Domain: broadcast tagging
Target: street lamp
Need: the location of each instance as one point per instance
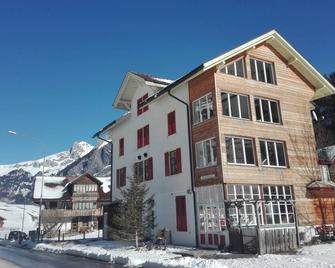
(11, 132)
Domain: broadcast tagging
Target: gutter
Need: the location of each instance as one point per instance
(191, 161)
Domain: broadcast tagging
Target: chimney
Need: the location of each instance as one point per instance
(324, 173)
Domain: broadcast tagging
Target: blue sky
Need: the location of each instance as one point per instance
(62, 62)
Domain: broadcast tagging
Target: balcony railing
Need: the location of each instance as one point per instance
(50, 215)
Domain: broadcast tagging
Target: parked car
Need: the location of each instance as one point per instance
(32, 235)
(16, 235)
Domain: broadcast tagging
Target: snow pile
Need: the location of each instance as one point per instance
(321, 256)
(13, 215)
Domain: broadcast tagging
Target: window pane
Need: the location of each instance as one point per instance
(238, 189)
(229, 149)
(231, 194)
(253, 69)
(258, 109)
(281, 154)
(244, 106)
(208, 158)
(234, 105)
(203, 107)
(225, 107)
(260, 71)
(249, 151)
(210, 105)
(239, 151)
(269, 73)
(274, 111)
(239, 68)
(263, 153)
(247, 192)
(266, 112)
(272, 154)
(196, 112)
(213, 144)
(230, 69)
(199, 155)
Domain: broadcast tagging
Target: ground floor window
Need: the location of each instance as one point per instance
(274, 204)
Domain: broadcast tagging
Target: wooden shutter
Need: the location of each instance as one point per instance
(121, 147)
(140, 138)
(149, 166)
(178, 156)
(118, 178)
(136, 170)
(171, 123)
(167, 163)
(181, 214)
(123, 177)
(146, 135)
(139, 111)
(145, 108)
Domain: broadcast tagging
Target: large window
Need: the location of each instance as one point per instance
(262, 71)
(172, 162)
(267, 110)
(202, 109)
(83, 188)
(278, 208)
(206, 153)
(273, 153)
(234, 105)
(235, 68)
(143, 170)
(240, 151)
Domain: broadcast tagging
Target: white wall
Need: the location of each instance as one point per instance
(164, 188)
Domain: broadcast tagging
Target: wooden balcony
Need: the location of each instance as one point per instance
(61, 215)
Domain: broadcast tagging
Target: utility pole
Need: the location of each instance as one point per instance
(24, 212)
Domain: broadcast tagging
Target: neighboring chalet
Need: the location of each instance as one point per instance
(72, 204)
(2, 220)
(223, 148)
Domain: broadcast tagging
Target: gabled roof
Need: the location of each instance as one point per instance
(130, 84)
(296, 60)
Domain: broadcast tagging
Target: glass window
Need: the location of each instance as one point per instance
(240, 150)
(262, 71)
(272, 153)
(234, 105)
(235, 68)
(206, 153)
(202, 109)
(267, 110)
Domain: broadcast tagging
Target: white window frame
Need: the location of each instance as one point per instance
(225, 68)
(276, 153)
(209, 106)
(244, 152)
(265, 75)
(238, 103)
(202, 143)
(270, 110)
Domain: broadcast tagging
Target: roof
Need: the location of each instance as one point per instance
(321, 185)
(55, 187)
(130, 84)
(327, 154)
(296, 60)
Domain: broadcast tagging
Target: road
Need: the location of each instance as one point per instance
(11, 257)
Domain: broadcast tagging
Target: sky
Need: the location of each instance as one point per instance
(62, 62)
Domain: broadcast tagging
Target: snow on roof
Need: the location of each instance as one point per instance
(53, 187)
(153, 79)
(327, 153)
(106, 182)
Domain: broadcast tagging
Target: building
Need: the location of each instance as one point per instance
(223, 148)
(2, 220)
(71, 204)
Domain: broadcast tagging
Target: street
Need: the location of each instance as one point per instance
(11, 257)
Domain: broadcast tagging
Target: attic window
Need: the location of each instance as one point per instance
(262, 71)
(142, 109)
(235, 68)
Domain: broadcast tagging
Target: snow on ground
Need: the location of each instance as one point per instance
(13, 214)
(90, 235)
(321, 256)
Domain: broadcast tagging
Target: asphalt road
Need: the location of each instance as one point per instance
(11, 257)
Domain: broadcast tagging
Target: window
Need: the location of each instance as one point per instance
(206, 153)
(143, 109)
(143, 136)
(240, 151)
(143, 170)
(267, 110)
(202, 109)
(121, 177)
(172, 162)
(171, 123)
(273, 153)
(181, 215)
(262, 71)
(235, 68)
(279, 206)
(234, 105)
(121, 147)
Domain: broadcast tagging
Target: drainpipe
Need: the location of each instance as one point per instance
(191, 163)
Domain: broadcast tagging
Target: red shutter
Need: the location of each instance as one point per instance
(150, 169)
(139, 111)
(171, 123)
(178, 155)
(145, 108)
(121, 147)
(118, 178)
(146, 135)
(123, 177)
(140, 138)
(167, 163)
(181, 214)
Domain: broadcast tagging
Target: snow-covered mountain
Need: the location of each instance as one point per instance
(16, 180)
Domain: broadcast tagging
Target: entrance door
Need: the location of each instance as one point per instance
(212, 225)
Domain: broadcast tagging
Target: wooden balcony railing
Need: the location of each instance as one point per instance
(50, 215)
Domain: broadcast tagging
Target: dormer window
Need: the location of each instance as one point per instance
(235, 68)
(262, 71)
